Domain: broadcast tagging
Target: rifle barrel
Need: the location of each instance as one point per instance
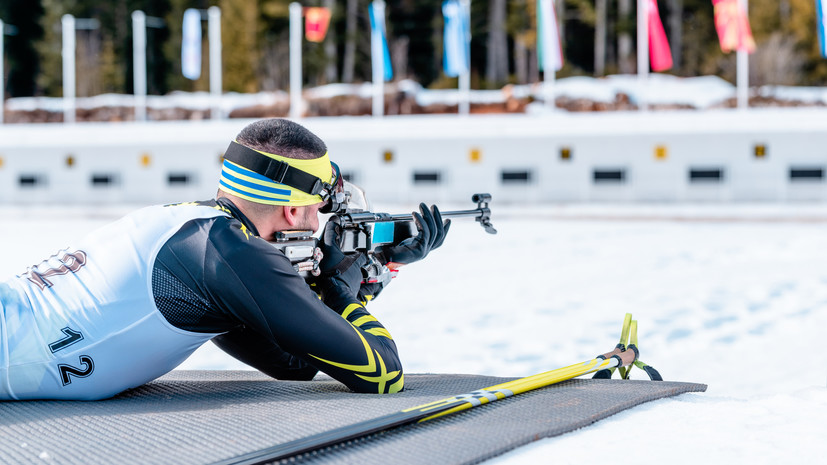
(369, 217)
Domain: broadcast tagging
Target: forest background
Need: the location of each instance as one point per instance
(598, 39)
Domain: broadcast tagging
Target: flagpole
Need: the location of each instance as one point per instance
(742, 68)
(549, 52)
(549, 80)
(549, 73)
(465, 77)
(139, 63)
(642, 54)
(214, 26)
(378, 59)
(295, 60)
(68, 24)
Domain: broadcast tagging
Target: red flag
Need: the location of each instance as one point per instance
(316, 20)
(660, 55)
(732, 24)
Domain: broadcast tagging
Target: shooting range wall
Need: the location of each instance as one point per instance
(719, 156)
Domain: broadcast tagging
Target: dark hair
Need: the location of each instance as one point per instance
(282, 137)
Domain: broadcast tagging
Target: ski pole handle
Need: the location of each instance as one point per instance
(624, 357)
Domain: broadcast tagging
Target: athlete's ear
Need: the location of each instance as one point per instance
(290, 214)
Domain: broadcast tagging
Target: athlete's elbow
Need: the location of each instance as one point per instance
(381, 383)
(398, 385)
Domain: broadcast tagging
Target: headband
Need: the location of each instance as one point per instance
(272, 179)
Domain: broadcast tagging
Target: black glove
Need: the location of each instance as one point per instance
(431, 234)
(369, 291)
(340, 271)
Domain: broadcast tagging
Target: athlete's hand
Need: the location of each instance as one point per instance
(369, 291)
(431, 232)
(332, 254)
(339, 269)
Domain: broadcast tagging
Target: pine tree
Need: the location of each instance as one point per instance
(239, 48)
(49, 80)
(23, 62)
(802, 26)
(496, 72)
(503, 45)
(157, 34)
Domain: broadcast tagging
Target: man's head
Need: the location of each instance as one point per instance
(274, 206)
(282, 137)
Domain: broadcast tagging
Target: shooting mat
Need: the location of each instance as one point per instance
(198, 417)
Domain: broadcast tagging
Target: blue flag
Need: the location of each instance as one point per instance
(821, 26)
(455, 55)
(377, 26)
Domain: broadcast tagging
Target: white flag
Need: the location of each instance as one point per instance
(191, 44)
(548, 37)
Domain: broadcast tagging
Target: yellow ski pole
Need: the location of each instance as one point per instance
(429, 411)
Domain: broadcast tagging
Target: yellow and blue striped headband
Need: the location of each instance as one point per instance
(271, 179)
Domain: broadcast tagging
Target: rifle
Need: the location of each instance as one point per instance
(363, 231)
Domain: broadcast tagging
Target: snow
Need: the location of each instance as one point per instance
(698, 92)
(732, 296)
(701, 92)
(803, 94)
(177, 99)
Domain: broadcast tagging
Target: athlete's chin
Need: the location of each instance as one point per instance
(307, 226)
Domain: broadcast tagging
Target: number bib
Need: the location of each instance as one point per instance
(83, 324)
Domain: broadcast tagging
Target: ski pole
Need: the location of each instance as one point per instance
(433, 410)
(650, 370)
(621, 346)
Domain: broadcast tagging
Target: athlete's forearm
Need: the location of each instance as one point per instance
(364, 357)
(251, 348)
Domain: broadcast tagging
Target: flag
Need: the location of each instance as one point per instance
(455, 58)
(316, 20)
(660, 55)
(732, 24)
(191, 44)
(821, 16)
(549, 49)
(377, 26)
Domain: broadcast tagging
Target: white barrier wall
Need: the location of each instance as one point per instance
(723, 156)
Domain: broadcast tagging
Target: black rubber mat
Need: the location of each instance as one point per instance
(199, 417)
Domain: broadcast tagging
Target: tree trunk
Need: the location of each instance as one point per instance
(625, 62)
(600, 38)
(239, 48)
(399, 56)
(520, 60)
(784, 11)
(349, 60)
(497, 66)
(676, 31)
(23, 59)
(330, 45)
(560, 13)
(87, 64)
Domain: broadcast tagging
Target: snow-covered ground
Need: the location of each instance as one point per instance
(700, 92)
(733, 296)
